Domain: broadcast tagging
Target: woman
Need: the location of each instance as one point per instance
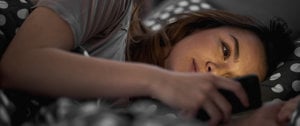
(220, 43)
(44, 42)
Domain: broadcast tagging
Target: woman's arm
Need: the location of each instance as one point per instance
(38, 60)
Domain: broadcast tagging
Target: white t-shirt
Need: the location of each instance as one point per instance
(99, 26)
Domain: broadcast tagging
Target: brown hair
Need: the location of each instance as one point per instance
(153, 47)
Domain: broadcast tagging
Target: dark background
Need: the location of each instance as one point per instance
(289, 10)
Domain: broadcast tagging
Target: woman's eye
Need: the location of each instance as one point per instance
(226, 50)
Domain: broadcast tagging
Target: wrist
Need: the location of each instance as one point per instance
(158, 82)
(154, 84)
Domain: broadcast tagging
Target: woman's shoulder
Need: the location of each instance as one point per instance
(88, 18)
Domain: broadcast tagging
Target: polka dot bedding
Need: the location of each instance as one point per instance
(12, 15)
(284, 82)
(167, 12)
(68, 112)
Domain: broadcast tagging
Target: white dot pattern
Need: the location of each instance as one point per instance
(1, 32)
(156, 27)
(152, 108)
(296, 85)
(297, 52)
(298, 122)
(89, 108)
(85, 53)
(293, 116)
(156, 15)
(183, 3)
(3, 5)
(164, 16)
(34, 102)
(23, 1)
(205, 6)
(2, 20)
(194, 8)
(168, 13)
(12, 14)
(285, 80)
(276, 100)
(178, 10)
(4, 99)
(295, 67)
(23, 13)
(280, 64)
(149, 22)
(275, 76)
(278, 88)
(17, 29)
(195, 1)
(170, 8)
(108, 120)
(172, 20)
(171, 115)
(3, 114)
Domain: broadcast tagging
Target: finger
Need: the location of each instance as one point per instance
(222, 103)
(283, 117)
(233, 86)
(193, 105)
(186, 114)
(274, 107)
(286, 111)
(213, 112)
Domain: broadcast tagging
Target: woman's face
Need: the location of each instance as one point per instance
(224, 51)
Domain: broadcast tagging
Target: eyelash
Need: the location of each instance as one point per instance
(226, 50)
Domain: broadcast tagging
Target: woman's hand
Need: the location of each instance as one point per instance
(191, 91)
(287, 110)
(264, 116)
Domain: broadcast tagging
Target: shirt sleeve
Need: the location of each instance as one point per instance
(88, 18)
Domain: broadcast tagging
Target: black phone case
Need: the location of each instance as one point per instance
(251, 86)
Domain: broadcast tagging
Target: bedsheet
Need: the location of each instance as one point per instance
(32, 111)
(69, 112)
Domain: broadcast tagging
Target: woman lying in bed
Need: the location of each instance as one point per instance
(197, 51)
(215, 42)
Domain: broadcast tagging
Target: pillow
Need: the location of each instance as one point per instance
(264, 10)
(166, 12)
(284, 82)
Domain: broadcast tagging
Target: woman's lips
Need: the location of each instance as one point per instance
(195, 67)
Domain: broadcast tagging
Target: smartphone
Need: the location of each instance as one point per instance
(251, 85)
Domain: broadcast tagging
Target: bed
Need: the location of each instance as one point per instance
(19, 108)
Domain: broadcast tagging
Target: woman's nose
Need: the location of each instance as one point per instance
(209, 67)
(214, 68)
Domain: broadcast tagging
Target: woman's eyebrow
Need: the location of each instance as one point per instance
(236, 47)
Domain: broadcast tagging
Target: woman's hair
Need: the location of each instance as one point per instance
(154, 47)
